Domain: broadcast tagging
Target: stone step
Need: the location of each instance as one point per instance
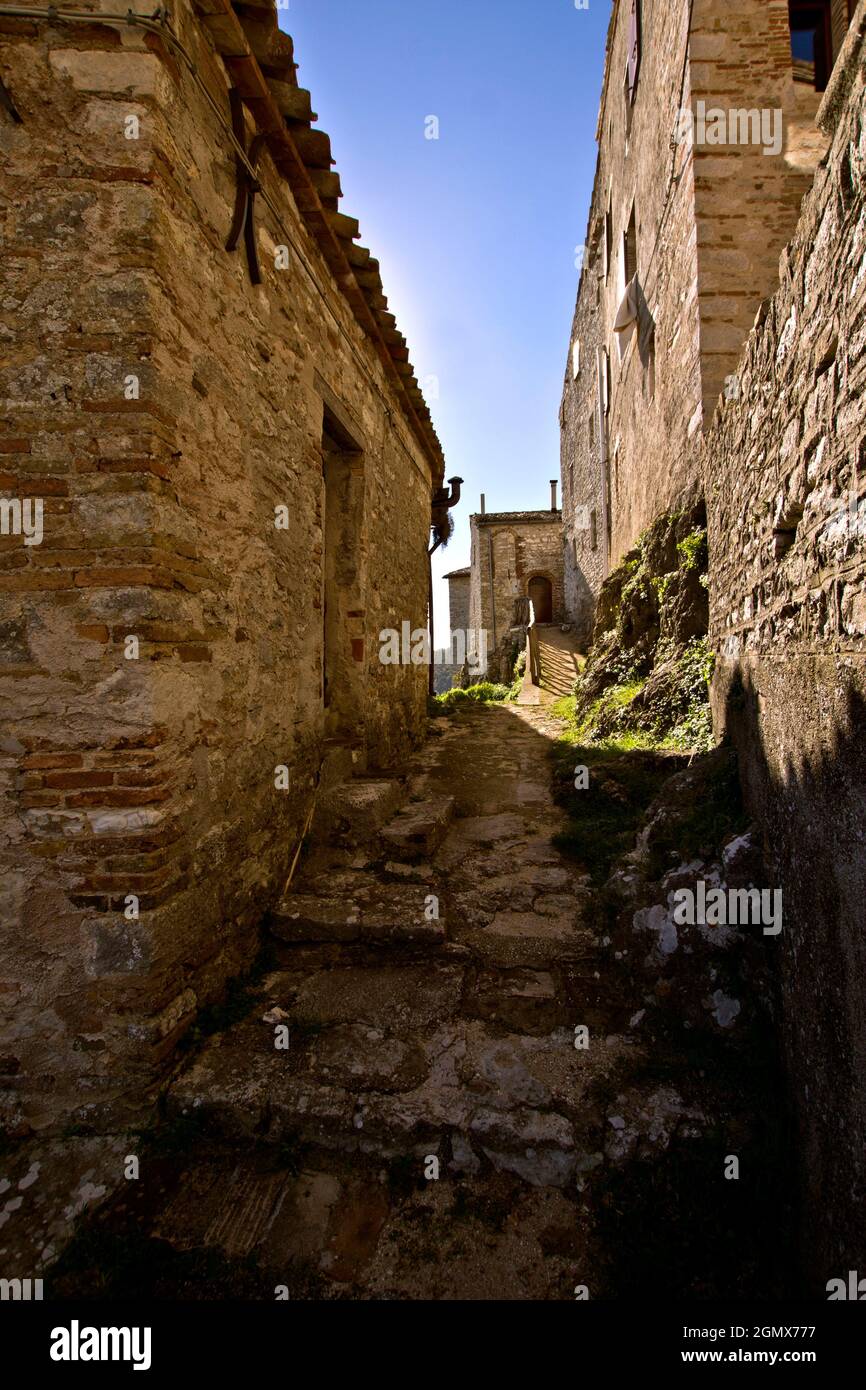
(525, 1001)
(354, 812)
(341, 761)
(383, 1061)
(372, 913)
(533, 939)
(418, 830)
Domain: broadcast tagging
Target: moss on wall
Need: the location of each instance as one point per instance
(647, 671)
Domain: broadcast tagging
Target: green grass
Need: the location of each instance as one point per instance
(565, 708)
(519, 673)
(631, 741)
(484, 693)
(607, 717)
(679, 720)
(694, 732)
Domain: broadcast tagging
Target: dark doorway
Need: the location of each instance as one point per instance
(343, 612)
(541, 595)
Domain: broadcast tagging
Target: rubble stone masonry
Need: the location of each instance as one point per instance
(165, 408)
(785, 469)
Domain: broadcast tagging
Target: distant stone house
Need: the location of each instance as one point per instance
(516, 560)
(448, 664)
(706, 145)
(217, 415)
(459, 583)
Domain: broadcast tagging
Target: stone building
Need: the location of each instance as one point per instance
(448, 664)
(785, 467)
(717, 353)
(210, 414)
(458, 598)
(516, 557)
(706, 145)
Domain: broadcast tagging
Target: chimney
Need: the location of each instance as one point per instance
(553, 486)
(483, 504)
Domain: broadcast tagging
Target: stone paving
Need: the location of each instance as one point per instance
(403, 1113)
(432, 1017)
(432, 968)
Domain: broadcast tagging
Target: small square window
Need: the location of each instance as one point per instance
(575, 359)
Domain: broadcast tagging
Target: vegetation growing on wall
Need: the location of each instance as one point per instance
(645, 682)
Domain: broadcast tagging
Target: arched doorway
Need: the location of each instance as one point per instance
(541, 595)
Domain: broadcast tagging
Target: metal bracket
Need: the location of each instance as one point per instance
(243, 218)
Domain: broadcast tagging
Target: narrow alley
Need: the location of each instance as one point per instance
(432, 772)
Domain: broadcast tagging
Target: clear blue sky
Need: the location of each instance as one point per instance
(476, 231)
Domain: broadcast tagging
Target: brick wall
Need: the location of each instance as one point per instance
(787, 516)
(155, 776)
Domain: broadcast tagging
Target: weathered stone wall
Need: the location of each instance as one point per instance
(458, 600)
(709, 221)
(786, 500)
(583, 497)
(152, 773)
(840, 11)
(508, 550)
(447, 670)
(747, 199)
(650, 430)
